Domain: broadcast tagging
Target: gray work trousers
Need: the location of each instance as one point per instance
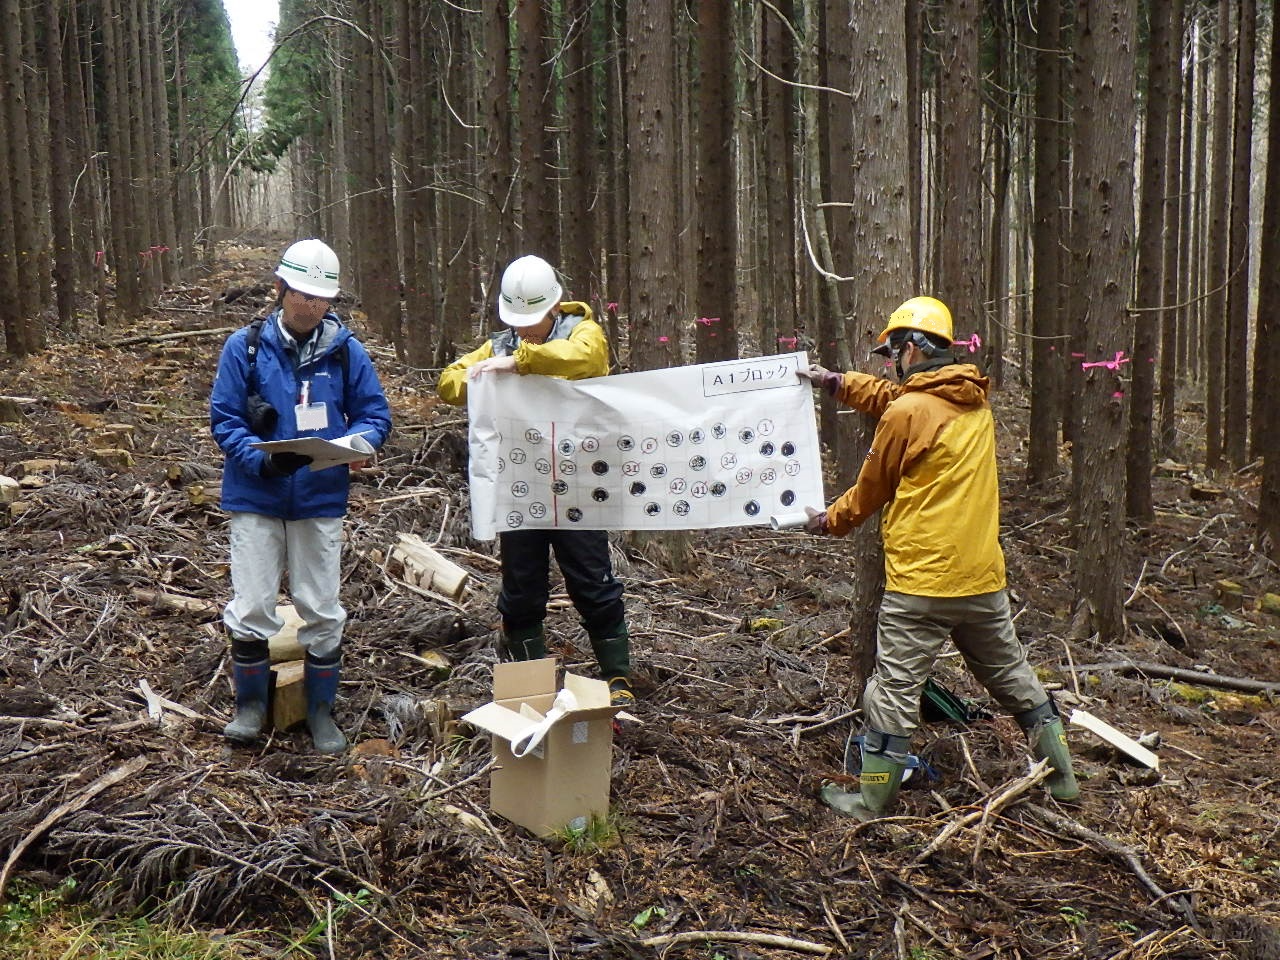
(261, 549)
(912, 630)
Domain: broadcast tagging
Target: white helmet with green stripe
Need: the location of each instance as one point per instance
(310, 266)
(529, 291)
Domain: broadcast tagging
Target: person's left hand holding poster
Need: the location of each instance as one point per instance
(685, 448)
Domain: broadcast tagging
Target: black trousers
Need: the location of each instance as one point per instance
(583, 557)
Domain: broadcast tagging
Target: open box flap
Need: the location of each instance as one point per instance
(524, 678)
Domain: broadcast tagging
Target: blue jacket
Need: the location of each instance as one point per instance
(356, 405)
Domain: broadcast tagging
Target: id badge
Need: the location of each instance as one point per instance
(311, 416)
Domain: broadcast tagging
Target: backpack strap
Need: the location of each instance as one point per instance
(254, 337)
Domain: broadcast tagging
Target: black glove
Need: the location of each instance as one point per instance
(283, 464)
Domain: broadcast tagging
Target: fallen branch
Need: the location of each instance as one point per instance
(736, 936)
(109, 779)
(1191, 676)
(1012, 791)
(160, 337)
(1117, 851)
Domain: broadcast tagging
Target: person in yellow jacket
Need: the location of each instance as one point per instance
(553, 338)
(932, 468)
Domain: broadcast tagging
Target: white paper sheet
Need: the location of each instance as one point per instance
(323, 453)
(686, 448)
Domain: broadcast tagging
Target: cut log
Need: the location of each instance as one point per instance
(284, 644)
(1245, 684)
(425, 568)
(114, 458)
(173, 601)
(288, 695)
(9, 489)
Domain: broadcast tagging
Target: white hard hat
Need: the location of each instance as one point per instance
(529, 290)
(310, 266)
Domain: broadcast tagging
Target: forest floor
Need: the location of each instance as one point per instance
(716, 846)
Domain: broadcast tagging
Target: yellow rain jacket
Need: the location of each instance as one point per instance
(575, 349)
(933, 462)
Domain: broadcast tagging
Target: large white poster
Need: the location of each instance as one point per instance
(686, 448)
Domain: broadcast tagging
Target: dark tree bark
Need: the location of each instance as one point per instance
(22, 334)
(1214, 326)
(1266, 395)
(1103, 267)
(1047, 232)
(1176, 187)
(1237, 333)
(959, 183)
(778, 121)
(538, 217)
(499, 159)
(1150, 258)
(716, 329)
(655, 305)
(882, 237)
(60, 176)
(579, 141)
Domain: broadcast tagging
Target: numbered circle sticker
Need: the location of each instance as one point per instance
(537, 510)
(518, 455)
(743, 476)
(631, 468)
(599, 468)
(637, 489)
(751, 508)
(590, 444)
(542, 465)
(699, 489)
(652, 509)
(768, 475)
(746, 434)
(764, 427)
(574, 514)
(698, 463)
(788, 497)
(719, 431)
(697, 435)
(729, 460)
(680, 508)
(568, 468)
(718, 489)
(792, 468)
(566, 448)
(626, 443)
(677, 486)
(515, 518)
(599, 494)
(675, 438)
(519, 489)
(766, 449)
(788, 449)
(658, 470)
(648, 444)
(559, 488)
(533, 435)
(502, 464)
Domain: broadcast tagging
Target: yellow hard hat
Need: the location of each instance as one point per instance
(920, 313)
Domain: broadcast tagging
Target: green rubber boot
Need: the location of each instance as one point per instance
(879, 779)
(1048, 740)
(613, 654)
(524, 643)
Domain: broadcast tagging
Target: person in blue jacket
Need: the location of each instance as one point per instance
(298, 373)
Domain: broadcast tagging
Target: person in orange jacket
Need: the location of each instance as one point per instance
(555, 338)
(932, 468)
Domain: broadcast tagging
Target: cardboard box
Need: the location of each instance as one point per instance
(564, 779)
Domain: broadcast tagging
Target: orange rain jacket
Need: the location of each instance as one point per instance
(933, 461)
(576, 349)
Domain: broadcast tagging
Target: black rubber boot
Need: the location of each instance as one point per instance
(251, 674)
(321, 680)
